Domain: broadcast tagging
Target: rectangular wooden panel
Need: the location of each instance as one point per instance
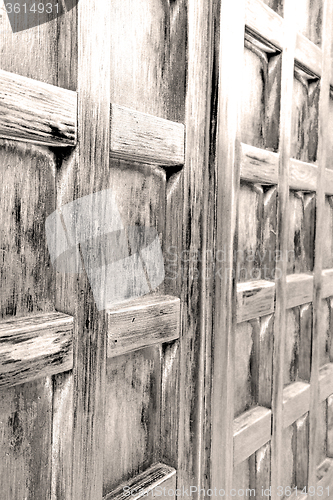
(26, 439)
(243, 396)
(329, 182)
(142, 322)
(258, 165)
(302, 175)
(252, 430)
(150, 483)
(327, 283)
(37, 112)
(325, 381)
(308, 54)
(142, 137)
(296, 401)
(35, 346)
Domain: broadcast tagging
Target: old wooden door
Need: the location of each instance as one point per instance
(96, 101)
(272, 373)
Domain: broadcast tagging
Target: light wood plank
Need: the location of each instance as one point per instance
(34, 347)
(142, 322)
(324, 475)
(299, 289)
(149, 483)
(329, 182)
(254, 299)
(258, 165)
(37, 112)
(308, 54)
(302, 176)
(280, 320)
(323, 159)
(227, 177)
(142, 137)
(327, 283)
(296, 401)
(264, 21)
(325, 381)
(252, 430)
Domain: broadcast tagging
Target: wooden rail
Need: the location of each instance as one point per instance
(35, 346)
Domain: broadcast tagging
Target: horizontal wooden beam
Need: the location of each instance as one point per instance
(327, 283)
(299, 289)
(149, 483)
(258, 165)
(35, 346)
(265, 22)
(296, 402)
(144, 138)
(252, 430)
(325, 381)
(142, 322)
(308, 55)
(302, 176)
(255, 299)
(33, 111)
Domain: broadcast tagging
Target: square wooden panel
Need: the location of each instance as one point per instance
(301, 232)
(257, 220)
(260, 111)
(254, 473)
(297, 353)
(304, 139)
(309, 20)
(253, 364)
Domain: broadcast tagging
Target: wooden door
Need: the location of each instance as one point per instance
(272, 368)
(97, 101)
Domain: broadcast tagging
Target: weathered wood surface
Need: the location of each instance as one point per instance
(243, 396)
(37, 112)
(142, 323)
(142, 137)
(251, 431)
(308, 54)
(299, 289)
(34, 347)
(132, 415)
(264, 21)
(296, 401)
(231, 20)
(26, 438)
(254, 299)
(150, 483)
(301, 451)
(325, 381)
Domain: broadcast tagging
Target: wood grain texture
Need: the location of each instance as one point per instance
(308, 54)
(252, 430)
(302, 451)
(141, 323)
(309, 19)
(263, 377)
(170, 396)
(288, 464)
(260, 471)
(304, 357)
(324, 334)
(34, 347)
(302, 176)
(26, 436)
(62, 436)
(327, 243)
(301, 232)
(231, 24)
(150, 483)
(258, 165)
(329, 437)
(142, 137)
(28, 196)
(264, 21)
(323, 159)
(327, 283)
(305, 117)
(132, 415)
(37, 112)
(296, 401)
(328, 182)
(254, 299)
(291, 346)
(299, 289)
(320, 451)
(325, 381)
(243, 397)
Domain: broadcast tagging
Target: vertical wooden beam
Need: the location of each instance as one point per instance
(194, 336)
(227, 165)
(323, 163)
(91, 167)
(280, 323)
